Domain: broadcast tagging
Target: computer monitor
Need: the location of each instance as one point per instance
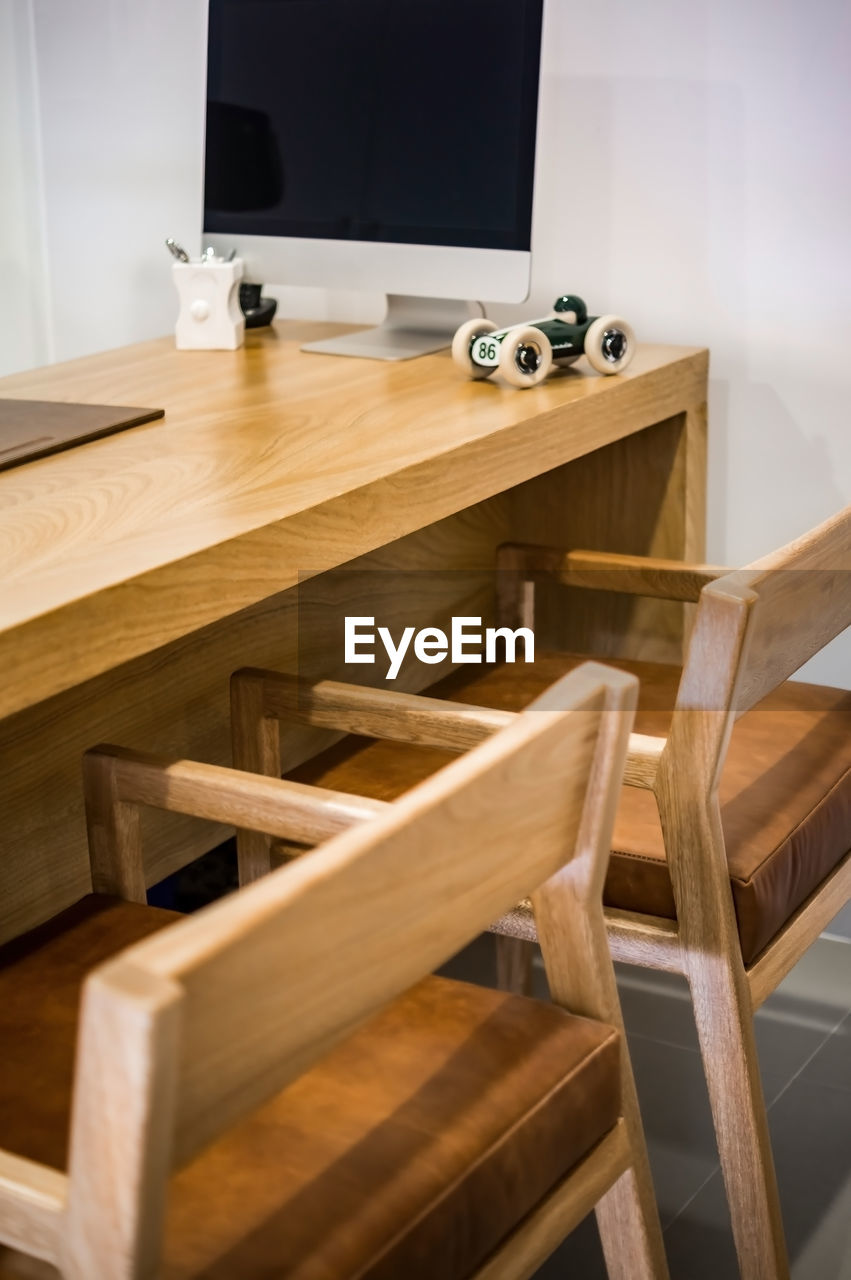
(376, 145)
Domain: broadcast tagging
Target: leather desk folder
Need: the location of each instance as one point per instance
(32, 429)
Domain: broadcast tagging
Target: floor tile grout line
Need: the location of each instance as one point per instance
(668, 1044)
(816, 1084)
(715, 1169)
(805, 1064)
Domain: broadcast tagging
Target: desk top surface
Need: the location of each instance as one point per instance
(269, 463)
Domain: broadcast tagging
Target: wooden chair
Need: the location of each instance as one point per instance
(731, 850)
(318, 1114)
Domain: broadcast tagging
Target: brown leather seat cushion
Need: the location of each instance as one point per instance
(785, 790)
(41, 974)
(411, 1150)
(20, 1266)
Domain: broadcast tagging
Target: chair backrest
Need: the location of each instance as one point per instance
(803, 601)
(756, 626)
(187, 1031)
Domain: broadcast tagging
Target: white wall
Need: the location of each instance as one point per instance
(693, 175)
(24, 327)
(705, 193)
(122, 113)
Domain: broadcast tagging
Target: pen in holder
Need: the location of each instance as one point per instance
(210, 317)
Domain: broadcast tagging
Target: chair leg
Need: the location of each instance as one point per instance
(514, 964)
(628, 1222)
(627, 1215)
(725, 1029)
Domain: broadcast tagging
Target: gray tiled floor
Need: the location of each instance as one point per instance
(804, 1037)
(841, 926)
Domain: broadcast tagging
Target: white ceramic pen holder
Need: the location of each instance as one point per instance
(210, 317)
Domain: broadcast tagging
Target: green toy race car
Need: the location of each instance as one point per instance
(525, 353)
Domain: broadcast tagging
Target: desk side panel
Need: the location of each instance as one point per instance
(175, 702)
(642, 494)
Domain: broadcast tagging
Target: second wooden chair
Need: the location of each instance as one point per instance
(732, 843)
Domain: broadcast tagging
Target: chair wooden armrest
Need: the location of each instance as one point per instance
(117, 780)
(610, 571)
(32, 1204)
(375, 713)
(642, 760)
(642, 765)
(263, 696)
(396, 717)
(260, 696)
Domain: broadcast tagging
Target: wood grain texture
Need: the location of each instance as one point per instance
(237, 1050)
(270, 464)
(648, 941)
(637, 575)
(568, 911)
(568, 907)
(32, 1204)
(262, 702)
(640, 496)
(125, 779)
(687, 794)
(119, 553)
(691, 478)
(642, 760)
(114, 832)
(804, 594)
(243, 1033)
(378, 713)
(751, 629)
(260, 698)
(175, 702)
(182, 1034)
(256, 747)
(121, 1126)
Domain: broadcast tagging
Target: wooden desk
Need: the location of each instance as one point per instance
(138, 571)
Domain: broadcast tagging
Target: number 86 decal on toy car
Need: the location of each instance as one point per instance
(525, 353)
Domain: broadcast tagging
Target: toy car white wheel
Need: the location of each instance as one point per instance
(609, 344)
(526, 356)
(462, 342)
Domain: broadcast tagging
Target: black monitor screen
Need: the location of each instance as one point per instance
(410, 121)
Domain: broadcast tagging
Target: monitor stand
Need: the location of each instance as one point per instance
(412, 327)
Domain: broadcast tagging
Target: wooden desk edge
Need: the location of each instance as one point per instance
(93, 633)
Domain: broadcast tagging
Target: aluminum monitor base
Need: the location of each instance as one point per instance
(412, 327)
